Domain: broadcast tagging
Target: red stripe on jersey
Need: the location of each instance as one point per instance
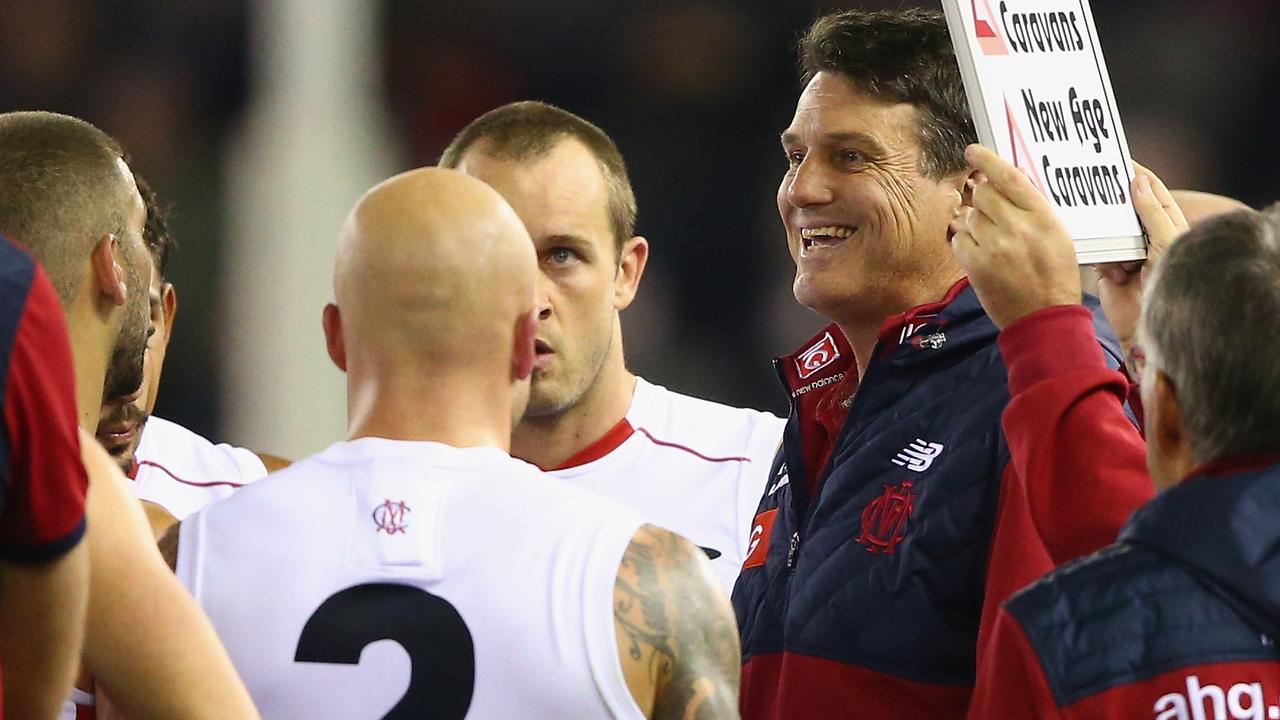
(1209, 690)
(171, 474)
(691, 451)
(86, 712)
(609, 442)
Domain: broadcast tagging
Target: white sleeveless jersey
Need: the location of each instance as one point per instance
(395, 579)
(182, 472)
(692, 466)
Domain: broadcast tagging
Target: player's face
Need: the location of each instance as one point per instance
(124, 374)
(864, 225)
(562, 198)
(122, 419)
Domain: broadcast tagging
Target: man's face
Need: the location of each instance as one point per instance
(562, 198)
(865, 227)
(125, 371)
(1160, 418)
(122, 419)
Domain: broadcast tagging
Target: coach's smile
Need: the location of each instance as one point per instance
(816, 239)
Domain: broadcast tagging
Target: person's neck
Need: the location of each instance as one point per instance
(90, 358)
(862, 330)
(862, 336)
(550, 440)
(458, 410)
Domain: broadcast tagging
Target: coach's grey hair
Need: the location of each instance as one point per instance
(1211, 323)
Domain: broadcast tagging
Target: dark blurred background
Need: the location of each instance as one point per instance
(694, 92)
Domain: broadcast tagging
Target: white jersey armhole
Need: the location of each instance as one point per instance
(603, 654)
(247, 461)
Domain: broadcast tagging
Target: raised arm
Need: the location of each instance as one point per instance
(44, 565)
(677, 638)
(148, 644)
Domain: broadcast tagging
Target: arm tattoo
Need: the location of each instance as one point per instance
(678, 627)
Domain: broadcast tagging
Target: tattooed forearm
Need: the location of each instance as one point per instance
(673, 623)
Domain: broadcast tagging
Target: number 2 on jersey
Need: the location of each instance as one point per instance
(441, 652)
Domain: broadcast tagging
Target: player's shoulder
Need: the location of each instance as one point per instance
(1122, 614)
(25, 290)
(706, 426)
(18, 271)
(180, 451)
(478, 482)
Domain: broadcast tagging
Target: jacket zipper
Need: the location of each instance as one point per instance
(797, 537)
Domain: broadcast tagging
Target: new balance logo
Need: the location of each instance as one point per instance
(918, 456)
(1212, 702)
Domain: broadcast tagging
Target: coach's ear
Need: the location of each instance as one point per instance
(333, 336)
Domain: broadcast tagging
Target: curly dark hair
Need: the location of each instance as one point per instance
(156, 232)
(899, 56)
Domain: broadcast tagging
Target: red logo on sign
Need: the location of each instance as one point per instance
(884, 521)
(817, 357)
(1022, 156)
(389, 517)
(984, 26)
(761, 531)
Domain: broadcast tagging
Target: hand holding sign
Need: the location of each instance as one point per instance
(1017, 252)
(1120, 285)
(1040, 96)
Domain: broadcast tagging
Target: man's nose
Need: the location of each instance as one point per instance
(544, 298)
(809, 185)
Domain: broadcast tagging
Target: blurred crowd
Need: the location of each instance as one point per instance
(695, 93)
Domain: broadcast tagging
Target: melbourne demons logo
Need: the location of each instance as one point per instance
(884, 521)
(389, 517)
(817, 357)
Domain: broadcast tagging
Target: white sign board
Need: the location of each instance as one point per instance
(1041, 97)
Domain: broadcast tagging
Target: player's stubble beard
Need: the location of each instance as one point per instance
(579, 378)
(122, 415)
(125, 371)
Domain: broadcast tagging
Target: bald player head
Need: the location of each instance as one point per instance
(1197, 206)
(434, 317)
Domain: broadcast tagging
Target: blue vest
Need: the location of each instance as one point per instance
(1194, 580)
(884, 567)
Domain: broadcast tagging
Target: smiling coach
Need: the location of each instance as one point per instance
(896, 522)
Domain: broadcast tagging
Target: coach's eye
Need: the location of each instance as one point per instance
(795, 157)
(851, 157)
